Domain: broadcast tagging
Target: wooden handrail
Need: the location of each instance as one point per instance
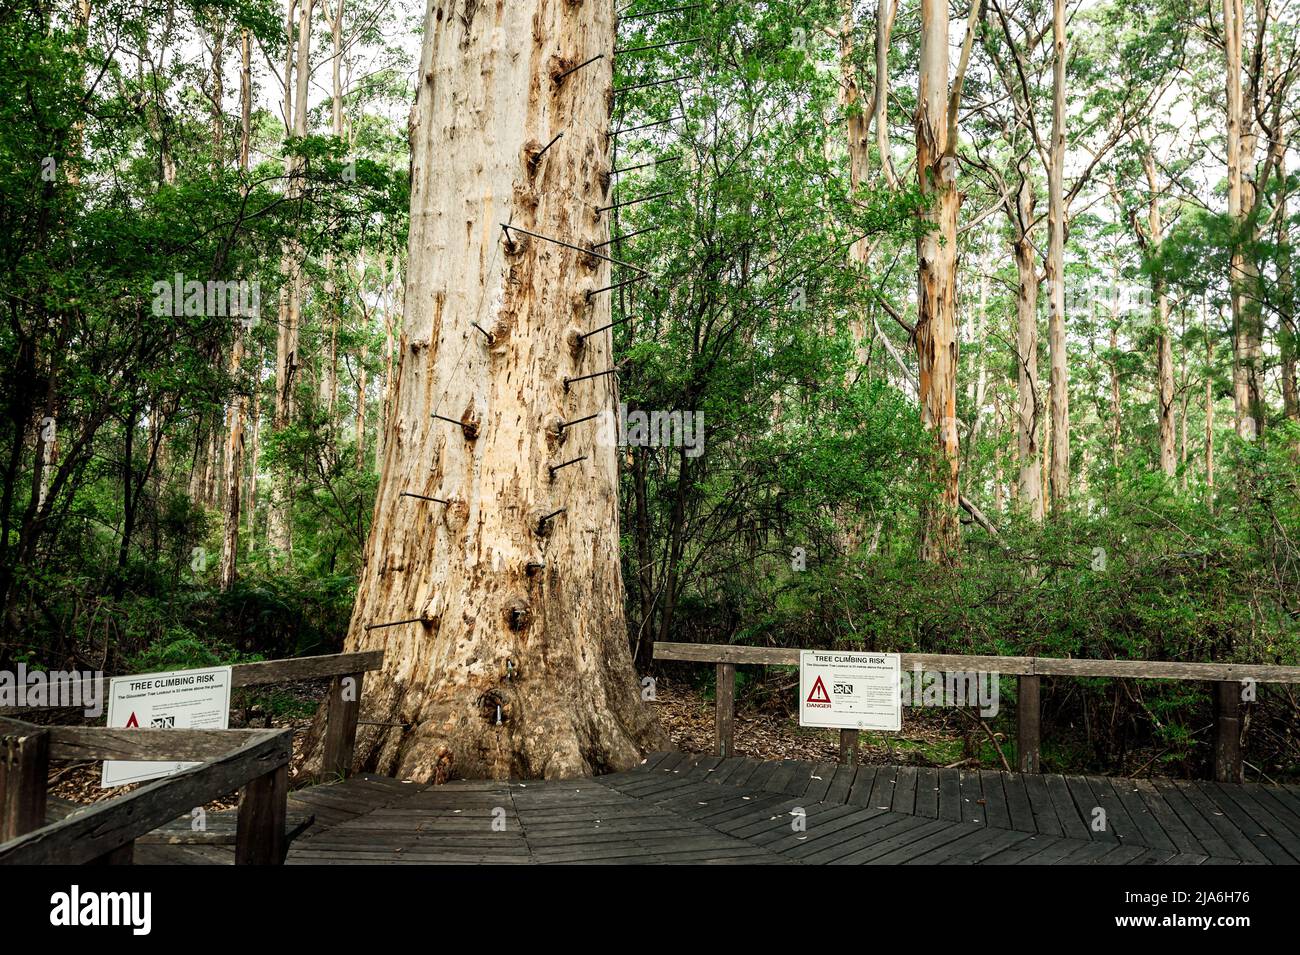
(261, 763)
(1012, 666)
(266, 672)
(255, 762)
(1227, 678)
(145, 745)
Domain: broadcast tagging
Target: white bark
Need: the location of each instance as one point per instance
(519, 664)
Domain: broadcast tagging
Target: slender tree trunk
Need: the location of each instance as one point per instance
(519, 663)
(980, 389)
(1164, 346)
(1059, 471)
(361, 407)
(998, 498)
(1209, 397)
(234, 473)
(1286, 312)
(880, 105)
(1029, 484)
(1247, 349)
(391, 321)
(1116, 410)
(297, 63)
(936, 318)
(255, 425)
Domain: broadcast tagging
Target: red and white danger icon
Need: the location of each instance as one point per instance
(819, 694)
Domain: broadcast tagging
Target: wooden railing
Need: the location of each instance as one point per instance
(254, 762)
(1226, 677)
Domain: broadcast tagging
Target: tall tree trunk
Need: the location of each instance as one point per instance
(234, 474)
(880, 105)
(1059, 470)
(1286, 311)
(1209, 396)
(519, 663)
(1029, 490)
(297, 64)
(936, 314)
(1164, 346)
(1246, 337)
(392, 320)
(360, 458)
(979, 387)
(1116, 410)
(329, 362)
(255, 426)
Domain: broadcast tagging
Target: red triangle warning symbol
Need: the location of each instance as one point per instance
(136, 723)
(818, 694)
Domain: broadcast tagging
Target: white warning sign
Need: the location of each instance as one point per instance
(181, 699)
(843, 690)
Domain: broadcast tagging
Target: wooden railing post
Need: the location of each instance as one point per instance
(24, 768)
(263, 808)
(341, 726)
(726, 713)
(1227, 732)
(1028, 730)
(849, 746)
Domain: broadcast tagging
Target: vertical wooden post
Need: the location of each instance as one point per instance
(24, 768)
(1028, 730)
(726, 714)
(1227, 732)
(849, 746)
(341, 726)
(263, 806)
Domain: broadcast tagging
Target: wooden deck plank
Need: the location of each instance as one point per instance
(1040, 803)
(1018, 806)
(901, 839)
(950, 805)
(1239, 846)
(882, 790)
(905, 790)
(1170, 822)
(1072, 823)
(1151, 832)
(841, 784)
(927, 792)
(724, 771)
(1022, 852)
(819, 781)
(1251, 824)
(860, 793)
(997, 812)
(1118, 820)
(1087, 804)
(1207, 835)
(972, 797)
(915, 843)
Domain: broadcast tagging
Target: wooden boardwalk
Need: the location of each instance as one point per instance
(688, 808)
